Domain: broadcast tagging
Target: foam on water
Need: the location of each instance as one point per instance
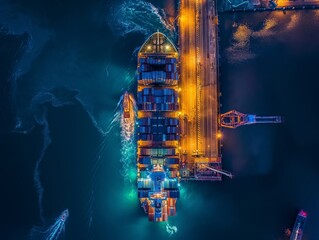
(54, 231)
(128, 144)
(56, 98)
(139, 17)
(170, 229)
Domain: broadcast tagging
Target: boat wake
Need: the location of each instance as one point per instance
(54, 231)
(128, 160)
(139, 17)
(170, 229)
(127, 113)
(55, 97)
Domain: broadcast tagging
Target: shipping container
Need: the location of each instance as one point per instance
(143, 60)
(144, 160)
(144, 129)
(142, 194)
(173, 193)
(171, 184)
(144, 121)
(172, 160)
(144, 183)
(157, 151)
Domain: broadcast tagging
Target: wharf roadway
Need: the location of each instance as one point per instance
(199, 116)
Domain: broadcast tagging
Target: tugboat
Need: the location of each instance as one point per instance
(299, 226)
(128, 116)
(64, 215)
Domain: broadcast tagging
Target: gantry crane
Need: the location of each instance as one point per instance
(234, 119)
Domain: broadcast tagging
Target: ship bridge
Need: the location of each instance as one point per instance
(158, 44)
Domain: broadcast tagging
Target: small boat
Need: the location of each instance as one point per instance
(299, 226)
(128, 116)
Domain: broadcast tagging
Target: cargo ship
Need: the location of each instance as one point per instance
(158, 127)
(299, 226)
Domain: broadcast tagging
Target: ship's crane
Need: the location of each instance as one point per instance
(234, 119)
(221, 171)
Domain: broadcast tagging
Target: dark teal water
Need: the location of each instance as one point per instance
(64, 68)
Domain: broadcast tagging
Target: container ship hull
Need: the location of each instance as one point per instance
(158, 127)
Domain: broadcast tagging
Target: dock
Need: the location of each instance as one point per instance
(200, 145)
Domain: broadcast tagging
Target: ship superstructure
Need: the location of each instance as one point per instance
(158, 127)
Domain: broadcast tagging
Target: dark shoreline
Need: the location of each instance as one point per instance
(292, 8)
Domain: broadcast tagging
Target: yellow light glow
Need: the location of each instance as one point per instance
(187, 17)
(219, 135)
(149, 47)
(167, 47)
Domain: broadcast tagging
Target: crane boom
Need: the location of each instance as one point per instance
(223, 172)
